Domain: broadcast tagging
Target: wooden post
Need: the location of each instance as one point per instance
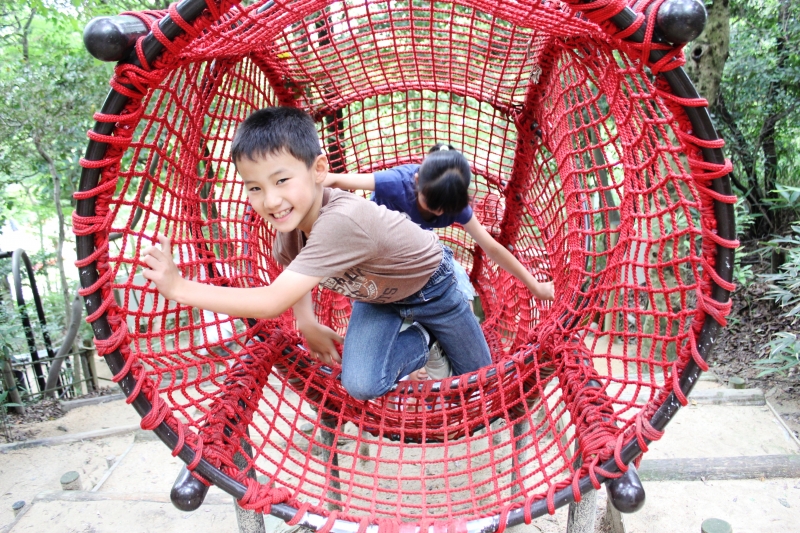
(715, 525)
(582, 515)
(327, 439)
(90, 370)
(77, 372)
(248, 521)
(71, 481)
(519, 430)
(10, 384)
(613, 519)
(17, 507)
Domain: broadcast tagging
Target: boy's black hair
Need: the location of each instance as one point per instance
(272, 130)
(444, 178)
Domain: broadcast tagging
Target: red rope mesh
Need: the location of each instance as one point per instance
(585, 169)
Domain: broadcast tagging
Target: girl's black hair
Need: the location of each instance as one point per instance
(272, 130)
(444, 178)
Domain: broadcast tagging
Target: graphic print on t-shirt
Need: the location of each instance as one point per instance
(353, 283)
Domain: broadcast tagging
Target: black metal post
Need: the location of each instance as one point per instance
(19, 258)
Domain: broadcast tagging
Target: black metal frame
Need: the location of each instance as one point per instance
(703, 129)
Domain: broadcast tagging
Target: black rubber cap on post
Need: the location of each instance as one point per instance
(626, 493)
(187, 492)
(111, 38)
(681, 21)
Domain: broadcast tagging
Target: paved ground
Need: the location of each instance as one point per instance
(134, 497)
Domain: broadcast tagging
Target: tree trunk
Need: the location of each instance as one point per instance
(24, 31)
(61, 236)
(767, 134)
(750, 187)
(43, 249)
(40, 224)
(706, 56)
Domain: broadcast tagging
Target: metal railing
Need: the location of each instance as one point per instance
(77, 375)
(43, 371)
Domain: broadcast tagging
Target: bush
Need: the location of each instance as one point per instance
(784, 289)
(742, 274)
(784, 286)
(784, 354)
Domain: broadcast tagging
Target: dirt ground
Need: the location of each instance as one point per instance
(751, 325)
(41, 419)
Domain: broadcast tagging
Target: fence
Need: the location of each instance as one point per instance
(28, 377)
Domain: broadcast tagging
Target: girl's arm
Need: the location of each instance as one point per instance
(507, 261)
(352, 182)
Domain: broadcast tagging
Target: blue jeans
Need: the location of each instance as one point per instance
(376, 354)
(462, 279)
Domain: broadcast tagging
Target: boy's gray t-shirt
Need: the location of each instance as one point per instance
(362, 250)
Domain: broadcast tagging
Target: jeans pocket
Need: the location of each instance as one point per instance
(437, 290)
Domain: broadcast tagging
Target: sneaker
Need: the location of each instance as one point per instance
(438, 365)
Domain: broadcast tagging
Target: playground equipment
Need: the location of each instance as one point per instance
(596, 165)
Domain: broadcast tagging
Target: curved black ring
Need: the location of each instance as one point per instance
(703, 129)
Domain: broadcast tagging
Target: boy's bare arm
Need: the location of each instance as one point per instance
(351, 182)
(320, 338)
(507, 261)
(257, 302)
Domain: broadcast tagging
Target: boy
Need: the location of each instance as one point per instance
(391, 268)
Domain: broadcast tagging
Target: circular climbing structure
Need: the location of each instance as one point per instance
(595, 163)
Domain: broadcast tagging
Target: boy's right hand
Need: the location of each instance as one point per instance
(321, 341)
(161, 269)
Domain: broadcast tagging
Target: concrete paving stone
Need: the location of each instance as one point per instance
(750, 506)
(83, 402)
(720, 468)
(720, 396)
(115, 516)
(69, 438)
(722, 431)
(27, 472)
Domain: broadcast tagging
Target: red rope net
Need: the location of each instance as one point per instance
(586, 169)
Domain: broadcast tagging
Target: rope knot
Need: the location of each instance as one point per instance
(261, 497)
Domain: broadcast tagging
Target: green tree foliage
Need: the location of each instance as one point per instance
(759, 106)
(49, 87)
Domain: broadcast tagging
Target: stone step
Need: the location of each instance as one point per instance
(706, 396)
(721, 468)
(82, 402)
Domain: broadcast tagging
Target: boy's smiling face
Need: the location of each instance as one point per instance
(283, 190)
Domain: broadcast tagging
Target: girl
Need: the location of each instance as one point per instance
(435, 194)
